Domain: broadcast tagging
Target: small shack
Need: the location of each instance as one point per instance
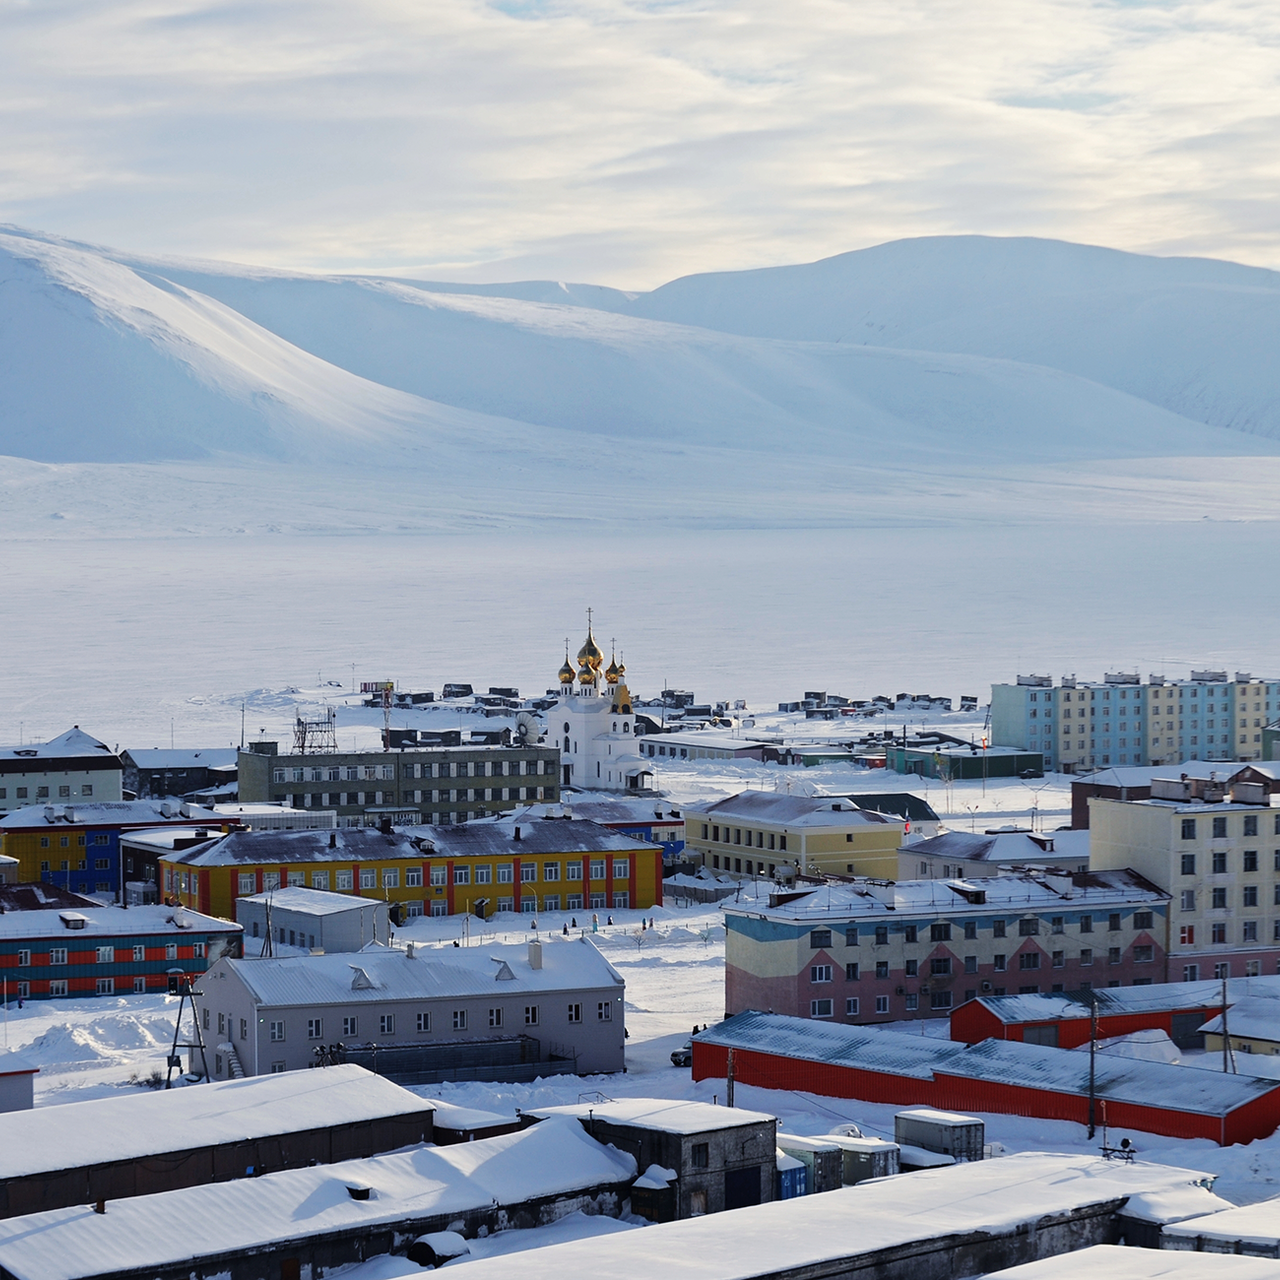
(17, 1082)
(821, 1157)
(312, 919)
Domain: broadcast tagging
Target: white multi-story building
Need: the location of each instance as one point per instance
(1213, 847)
(70, 767)
(594, 727)
(1120, 721)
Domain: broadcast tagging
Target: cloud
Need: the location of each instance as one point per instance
(626, 142)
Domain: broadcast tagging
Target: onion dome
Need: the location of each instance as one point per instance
(566, 672)
(590, 653)
(586, 675)
(612, 672)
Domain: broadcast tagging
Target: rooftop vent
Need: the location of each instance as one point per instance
(360, 981)
(73, 919)
(358, 1191)
(504, 973)
(535, 954)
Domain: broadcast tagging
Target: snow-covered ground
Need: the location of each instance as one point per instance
(675, 979)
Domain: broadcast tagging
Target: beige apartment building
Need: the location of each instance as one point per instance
(1216, 849)
(767, 833)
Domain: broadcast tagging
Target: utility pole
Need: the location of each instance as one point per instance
(1093, 1056)
(728, 1092)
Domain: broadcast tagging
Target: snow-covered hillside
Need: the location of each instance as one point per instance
(107, 360)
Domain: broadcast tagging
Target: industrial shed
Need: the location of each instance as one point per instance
(111, 1148)
(308, 1221)
(776, 1052)
(1252, 1229)
(1179, 1009)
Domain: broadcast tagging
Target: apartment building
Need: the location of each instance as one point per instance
(877, 952)
(409, 786)
(528, 867)
(71, 767)
(1079, 725)
(772, 834)
(1215, 847)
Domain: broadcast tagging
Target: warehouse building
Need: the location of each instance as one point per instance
(313, 919)
(1007, 1078)
(143, 1143)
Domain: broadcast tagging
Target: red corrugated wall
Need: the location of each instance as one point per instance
(973, 1023)
(1257, 1119)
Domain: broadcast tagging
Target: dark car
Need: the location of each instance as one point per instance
(683, 1056)
(1031, 773)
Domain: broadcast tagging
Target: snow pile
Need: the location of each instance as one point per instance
(656, 1178)
(110, 1038)
(1150, 1045)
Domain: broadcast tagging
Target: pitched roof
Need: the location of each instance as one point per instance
(75, 742)
(109, 813)
(793, 811)
(430, 973)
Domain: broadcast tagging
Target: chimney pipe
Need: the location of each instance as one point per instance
(516, 836)
(333, 839)
(535, 955)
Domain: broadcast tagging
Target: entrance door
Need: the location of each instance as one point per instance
(1186, 1030)
(741, 1187)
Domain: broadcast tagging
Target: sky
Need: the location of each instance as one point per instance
(626, 142)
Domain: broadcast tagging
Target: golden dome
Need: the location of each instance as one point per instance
(586, 675)
(612, 673)
(566, 672)
(590, 653)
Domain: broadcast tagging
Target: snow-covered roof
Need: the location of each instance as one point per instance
(313, 902)
(608, 812)
(164, 758)
(1120, 1262)
(72, 744)
(431, 972)
(1174, 1204)
(711, 739)
(1256, 1017)
(449, 1115)
(109, 813)
(139, 1234)
(662, 1114)
(146, 1123)
(814, 1231)
(1025, 894)
(1005, 847)
(781, 809)
(13, 1063)
(109, 922)
(497, 840)
(1010, 1062)
(1159, 997)
(1257, 1224)
(929, 1115)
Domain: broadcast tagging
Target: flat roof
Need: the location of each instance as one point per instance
(108, 813)
(792, 811)
(1121, 1262)
(1160, 997)
(313, 902)
(147, 1123)
(145, 1233)
(567, 965)
(815, 1231)
(1253, 1223)
(661, 1114)
(109, 922)
(1256, 1017)
(167, 758)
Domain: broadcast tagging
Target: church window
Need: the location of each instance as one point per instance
(615, 726)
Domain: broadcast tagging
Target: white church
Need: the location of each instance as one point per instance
(593, 725)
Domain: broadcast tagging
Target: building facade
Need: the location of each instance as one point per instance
(409, 786)
(271, 1015)
(1120, 721)
(71, 767)
(772, 834)
(108, 951)
(159, 772)
(1219, 858)
(874, 952)
(312, 919)
(481, 868)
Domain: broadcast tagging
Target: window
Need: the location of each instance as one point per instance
(106, 955)
(939, 932)
(597, 870)
(970, 930)
(575, 1013)
(342, 880)
(1029, 960)
(820, 1008)
(882, 969)
(1251, 824)
(1188, 833)
(940, 966)
(882, 1004)
(24, 958)
(1251, 895)
(621, 869)
(573, 870)
(171, 951)
(275, 1032)
(1219, 899)
(604, 1011)
(413, 877)
(851, 972)
(1028, 928)
(105, 987)
(1220, 828)
(1142, 919)
(277, 1068)
(910, 933)
(882, 935)
(1113, 955)
(820, 973)
(1144, 953)
(997, 928)
(1249, 931)
(390, 877)
(368, 878)
(529, 873)
(912, 1001)
(58, 987)
(851, 1007)
(1219, 862)
(851, 933)
(387, 1024)
(57, 955)
(462, 875)
(1250, 859)
(699, 1155)
(531, 1015)
(1187, 935)
(912, 968)
(315, 1028)
(495, 1017)
(350, 1027)
(998, 963)
(819, 938)
(506, 873)
(940, 1000)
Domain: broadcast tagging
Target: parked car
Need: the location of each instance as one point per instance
(683, 1056)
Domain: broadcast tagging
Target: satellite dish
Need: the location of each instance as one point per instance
(528, 730)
